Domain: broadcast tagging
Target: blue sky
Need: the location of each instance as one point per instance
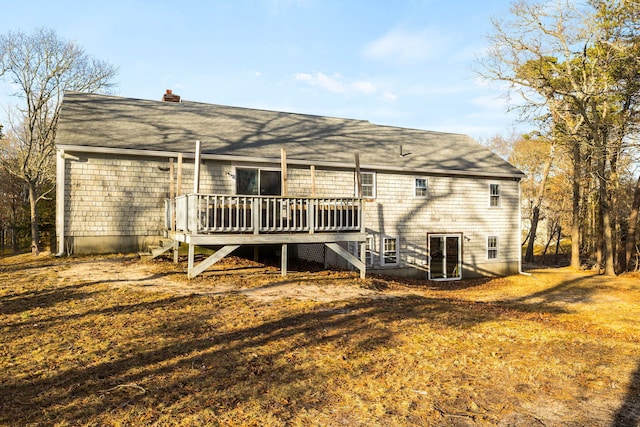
(395, 62)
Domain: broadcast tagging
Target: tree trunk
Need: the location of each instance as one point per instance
(14, 238)
(35, 229)
(575, 209)
(607, 230)
(528, 257)
(632, 237)
(526, 239)
(558, 244)
(598, 244)
(546, 248)
(536, 208)
(605, 214)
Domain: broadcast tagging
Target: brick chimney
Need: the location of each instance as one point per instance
(170, 97)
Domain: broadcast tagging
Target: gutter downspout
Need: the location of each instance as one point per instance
(60, 213)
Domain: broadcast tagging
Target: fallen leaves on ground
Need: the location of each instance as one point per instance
(113, 341)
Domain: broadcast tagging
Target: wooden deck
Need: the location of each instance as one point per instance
(231, 221)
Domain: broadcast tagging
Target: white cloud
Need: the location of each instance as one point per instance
(336, 83)
(321, 80)
(389, 97)
(363, 87)
(402, 46)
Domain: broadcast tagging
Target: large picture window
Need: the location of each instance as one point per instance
(258, 182)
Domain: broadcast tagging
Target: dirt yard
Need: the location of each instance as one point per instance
(115, 341)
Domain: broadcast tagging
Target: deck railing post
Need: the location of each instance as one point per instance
(174, 213)
(361, 215)
(192, 213)
(256, 214)
(311, 215)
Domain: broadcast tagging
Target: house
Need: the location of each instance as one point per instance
(384, 199)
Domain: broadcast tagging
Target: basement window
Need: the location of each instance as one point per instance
(354, 249)
(389, 255)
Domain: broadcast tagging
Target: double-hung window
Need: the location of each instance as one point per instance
(494, 195)
(368, 184)
(389, 253)
(354, 249)
(368, 255)
(421, 189)
(492, 247)
(258, 182)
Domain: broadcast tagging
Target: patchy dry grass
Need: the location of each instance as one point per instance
(111, 341)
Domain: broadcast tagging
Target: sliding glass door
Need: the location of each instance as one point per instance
(445, 256)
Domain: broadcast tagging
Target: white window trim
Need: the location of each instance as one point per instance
(460, 262)
(415, 187)
(371, 249)
(382, 252)
(497, 247)
(354, 249)
(374, 187)
(499, 195)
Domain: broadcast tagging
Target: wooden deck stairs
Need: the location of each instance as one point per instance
(155, 251)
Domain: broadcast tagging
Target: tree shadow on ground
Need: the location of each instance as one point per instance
(238, 365)
(12, 303)
(575, 290)
(189, 355)
(628, 415)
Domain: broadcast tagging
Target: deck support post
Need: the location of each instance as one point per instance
(360, 265)
(283, 171)
(196, 169)
(176, 251)
(358, 176)
(363, 257)
(190, 260)
(179, 176)
(283, 260)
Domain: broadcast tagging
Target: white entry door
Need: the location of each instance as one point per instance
(445, 256)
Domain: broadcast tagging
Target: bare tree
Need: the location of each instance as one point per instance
(566, 64)
(41, 67)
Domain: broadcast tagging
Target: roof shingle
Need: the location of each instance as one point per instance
(127, 123)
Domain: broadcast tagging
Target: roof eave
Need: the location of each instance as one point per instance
(248, 159)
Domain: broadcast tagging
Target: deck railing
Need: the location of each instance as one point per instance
(213, 213)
